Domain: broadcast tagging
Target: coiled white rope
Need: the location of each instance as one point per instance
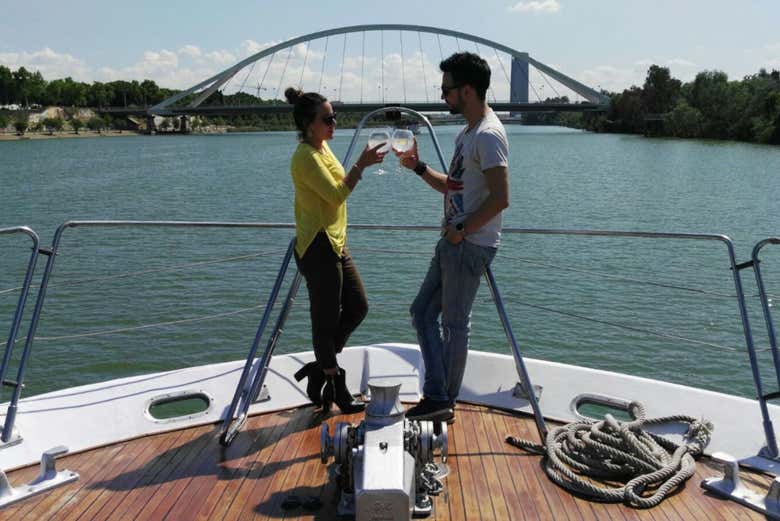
(582, 456)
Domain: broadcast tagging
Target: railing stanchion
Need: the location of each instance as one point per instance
(522, 372)
(232, 425)
(8, 425)
(771, 448)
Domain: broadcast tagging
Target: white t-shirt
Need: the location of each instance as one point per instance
(484, 146)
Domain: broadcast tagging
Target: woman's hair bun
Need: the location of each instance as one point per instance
(293, 95)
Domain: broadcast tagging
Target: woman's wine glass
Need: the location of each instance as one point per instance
(378, 137)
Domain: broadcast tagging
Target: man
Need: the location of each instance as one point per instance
(476, 191)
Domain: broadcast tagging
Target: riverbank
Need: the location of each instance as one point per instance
(10, 136)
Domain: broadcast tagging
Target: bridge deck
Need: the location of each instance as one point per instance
(187, 475)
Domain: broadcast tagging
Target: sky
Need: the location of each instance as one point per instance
(606, 44)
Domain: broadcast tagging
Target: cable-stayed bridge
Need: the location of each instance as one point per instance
(360, 68)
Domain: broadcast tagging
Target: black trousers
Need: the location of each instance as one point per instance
(337, 299)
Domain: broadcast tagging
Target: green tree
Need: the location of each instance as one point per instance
(96, 124)
(4, 120)
(21, 125)
(625, 112)
(684, 121)
(52, 124)
(660, 91)
(76, 124)
(711, 94)
(6, 86)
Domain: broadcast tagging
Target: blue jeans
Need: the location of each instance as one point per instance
(449, 289)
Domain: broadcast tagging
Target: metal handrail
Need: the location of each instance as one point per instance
(756, 264)
(248, 389)
(52, 255)
(384, 110)
(5, 437)
(244, 392)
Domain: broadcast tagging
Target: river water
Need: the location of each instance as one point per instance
(128, 300)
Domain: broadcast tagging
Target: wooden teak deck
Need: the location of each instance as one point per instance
(187, 475)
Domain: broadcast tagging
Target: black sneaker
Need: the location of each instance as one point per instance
(432, 410)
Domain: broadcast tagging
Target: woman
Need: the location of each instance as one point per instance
(336, 295)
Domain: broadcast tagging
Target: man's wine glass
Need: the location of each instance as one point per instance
(378, 137)
(403, 141)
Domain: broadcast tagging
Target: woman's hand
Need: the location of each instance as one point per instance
(371, 156)
(409, 158)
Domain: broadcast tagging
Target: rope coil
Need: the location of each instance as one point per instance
(614, 452)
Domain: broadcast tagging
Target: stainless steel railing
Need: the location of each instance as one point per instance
(254, 373)
(16, 322)
(771, 449)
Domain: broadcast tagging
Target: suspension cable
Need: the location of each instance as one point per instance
(322, 70)
(548, 83)
(422, 65)
(508, 79)
(382, 65)
(284, 71)
(248, 74)
(303, 69)
(362, 66)
(490, 87)
(528, 78)
(267, 68)
(343, 54)
(403, 75)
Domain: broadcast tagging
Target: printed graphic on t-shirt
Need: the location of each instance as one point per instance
(453, 200)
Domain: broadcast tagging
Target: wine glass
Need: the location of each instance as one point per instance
(378, 137)
(403, 141)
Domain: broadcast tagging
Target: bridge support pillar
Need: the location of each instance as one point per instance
(518, 87)
(150, 128)
(184, 127)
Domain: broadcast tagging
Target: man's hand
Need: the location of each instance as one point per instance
(452, 235)
(409, 158)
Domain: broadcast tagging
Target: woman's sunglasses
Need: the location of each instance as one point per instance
(330, 119)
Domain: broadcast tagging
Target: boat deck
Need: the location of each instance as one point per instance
(187, 475)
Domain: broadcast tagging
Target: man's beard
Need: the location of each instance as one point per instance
(455, 109)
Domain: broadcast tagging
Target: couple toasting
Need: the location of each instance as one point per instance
(475, 190)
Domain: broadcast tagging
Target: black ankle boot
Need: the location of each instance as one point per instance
(316, 378)
(335, 390)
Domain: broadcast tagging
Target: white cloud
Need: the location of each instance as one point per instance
(50, 63)
(772, 64)
(680, 62)
(221, 58)
(250, 47)
(611, 78)
(193, 51)
(645, 63)
(536, 6)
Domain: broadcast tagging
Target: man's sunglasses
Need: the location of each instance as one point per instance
(330, 119)
(445, 89)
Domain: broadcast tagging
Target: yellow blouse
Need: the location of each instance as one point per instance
(320, 197)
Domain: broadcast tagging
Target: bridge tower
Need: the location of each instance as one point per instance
(518, 90)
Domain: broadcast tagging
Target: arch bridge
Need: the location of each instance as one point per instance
(364, 67)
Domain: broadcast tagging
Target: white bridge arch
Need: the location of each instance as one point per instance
(519, 80)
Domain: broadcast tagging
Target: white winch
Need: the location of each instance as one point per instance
(385, 466)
